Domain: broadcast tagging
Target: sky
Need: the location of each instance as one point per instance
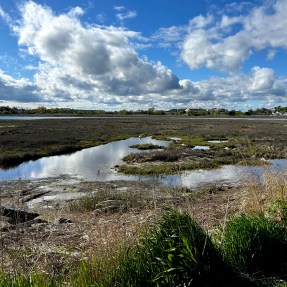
(137, 54)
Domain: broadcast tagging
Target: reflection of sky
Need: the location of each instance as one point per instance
(227, 174)
(91, 164)
(96, 164)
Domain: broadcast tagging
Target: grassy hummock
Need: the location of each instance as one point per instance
(147, 146)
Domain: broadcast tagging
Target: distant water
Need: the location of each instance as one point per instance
(138, 116)
(27, 118)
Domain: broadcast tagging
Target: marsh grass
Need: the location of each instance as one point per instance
(36, 280)
(268, 195)
(147, 241)
(176, 252)
(167, 167)
(111, 201)
(256, 246)
(147, 146)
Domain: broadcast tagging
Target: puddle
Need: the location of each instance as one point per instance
(48, 201)
(175, 139)
(225, 175)
(218, 141)
(201, 147)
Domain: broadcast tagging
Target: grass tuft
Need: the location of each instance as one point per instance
(147, 146)
(175, 252)
(256, 246)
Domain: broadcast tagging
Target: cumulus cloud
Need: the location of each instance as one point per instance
(21, 90)
(224, 43)
(87, 61)
(98, 67)
(263, 79)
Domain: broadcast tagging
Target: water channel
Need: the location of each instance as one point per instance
(96, 164)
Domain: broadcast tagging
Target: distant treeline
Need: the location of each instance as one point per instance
(279, 110)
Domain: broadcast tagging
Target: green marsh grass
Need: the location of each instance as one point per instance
(256, 246)
(166, 167)
(176, 252)
(147, 146)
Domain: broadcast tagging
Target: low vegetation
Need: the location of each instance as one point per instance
(22, 140)
(147, 146)
(165, 246)
(172, 237)
(181, 156)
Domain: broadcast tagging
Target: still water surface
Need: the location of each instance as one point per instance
(137, 116)
(96, 164)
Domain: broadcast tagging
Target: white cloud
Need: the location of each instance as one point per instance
(119, 8)
(263, 79)
(87, 61)
(126, 14)
(5, 16)
(21, 90)
(170, 37)
(219, 44)
(97, 66)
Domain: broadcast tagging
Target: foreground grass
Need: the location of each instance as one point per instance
(176, 251)
(247, 249)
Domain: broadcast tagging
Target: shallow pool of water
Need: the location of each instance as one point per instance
(225, 175)
(201, 147)
(218, 141)
(94, 163)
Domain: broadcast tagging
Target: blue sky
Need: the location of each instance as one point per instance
(138, 54)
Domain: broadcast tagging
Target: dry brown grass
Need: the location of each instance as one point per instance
(55, 248)
(258, 196)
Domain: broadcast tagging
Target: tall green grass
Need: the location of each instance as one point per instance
(256, 246)
(34, 280)
(177, 252)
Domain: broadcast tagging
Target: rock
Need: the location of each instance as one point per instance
(16, 216)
